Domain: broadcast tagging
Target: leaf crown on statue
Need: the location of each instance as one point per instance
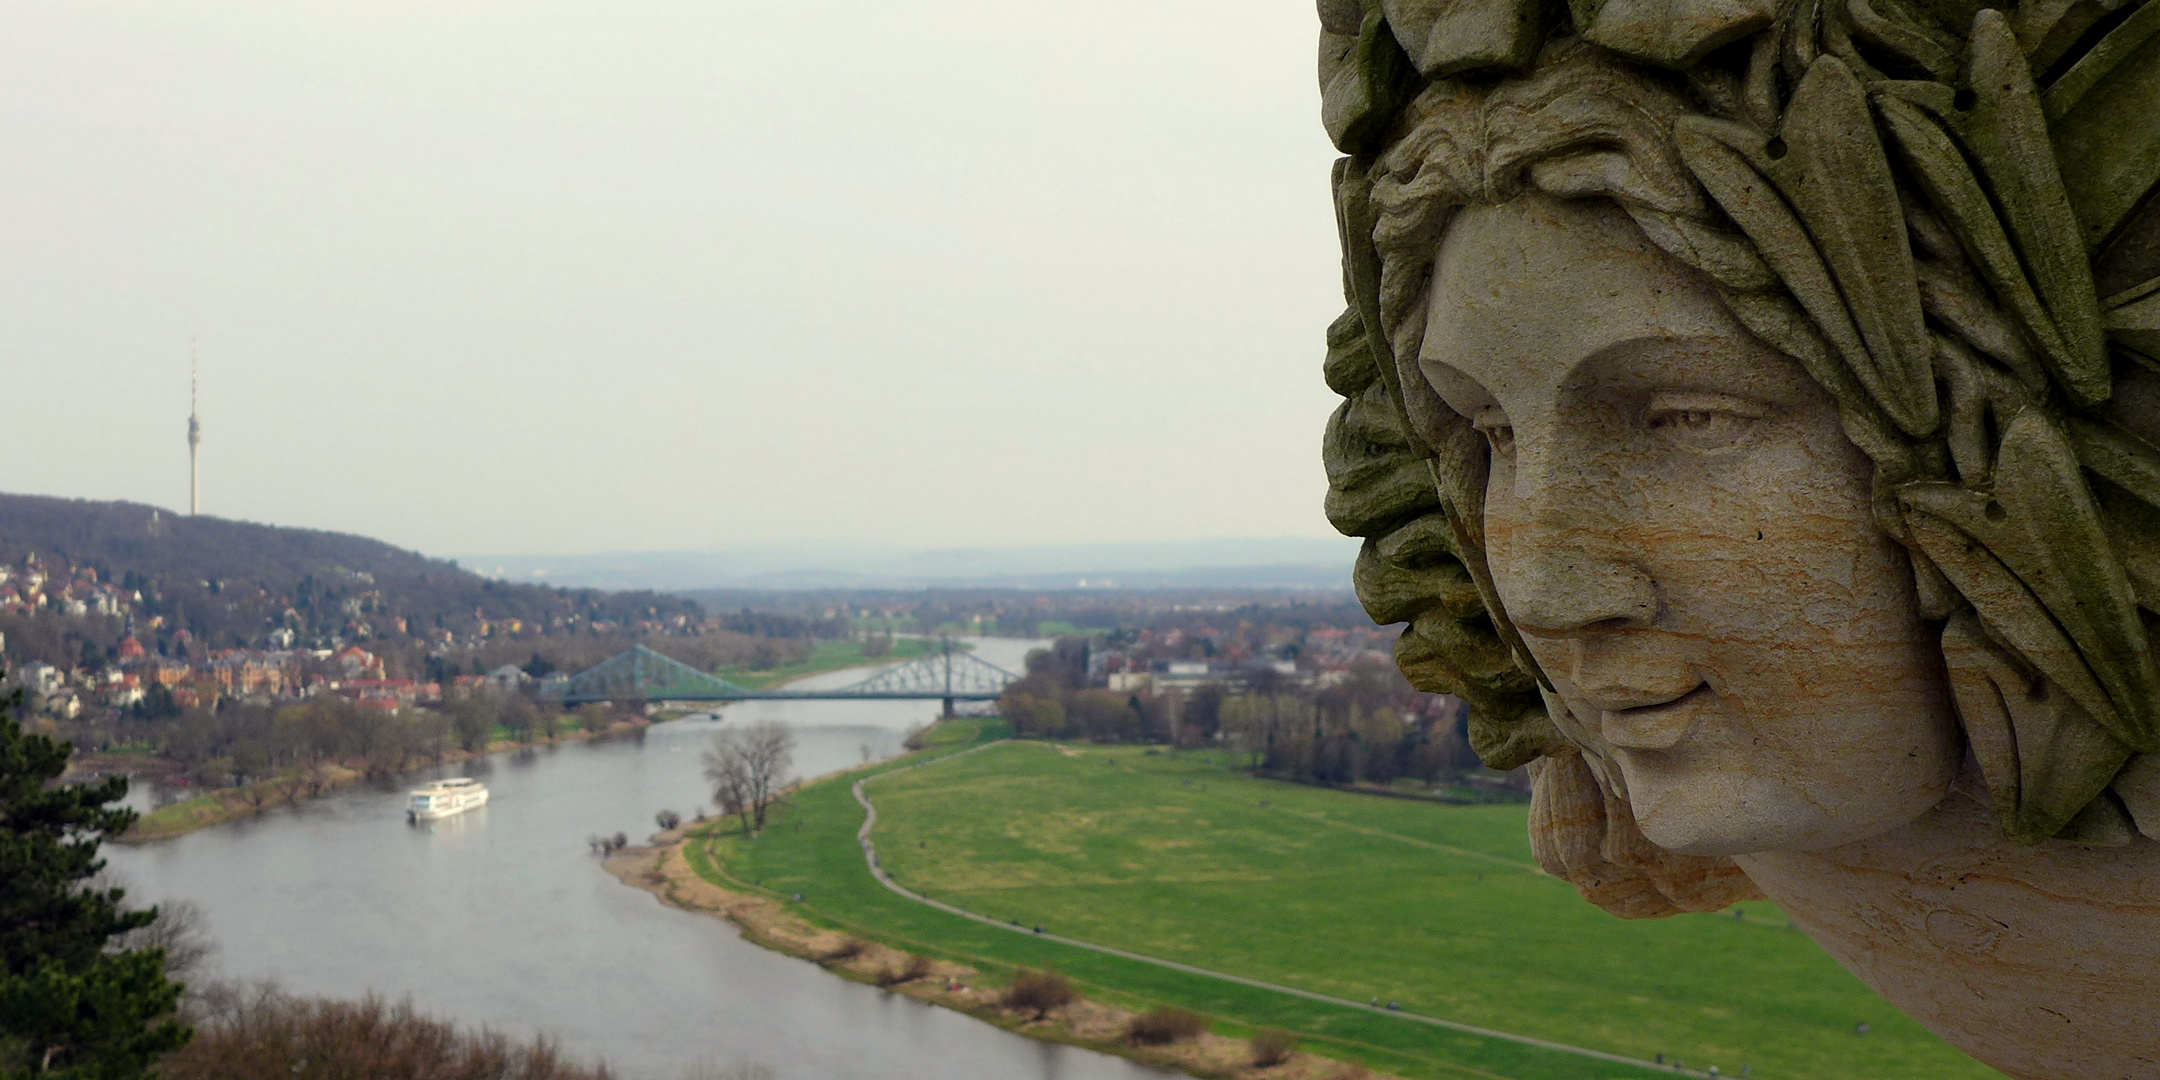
(1942, 210)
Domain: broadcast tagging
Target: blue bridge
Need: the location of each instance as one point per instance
(642, 675)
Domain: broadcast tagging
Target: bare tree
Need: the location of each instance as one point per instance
(747, 766)
(178, 929)
(730, 780)
(771, 759)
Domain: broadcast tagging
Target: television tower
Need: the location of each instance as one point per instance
(194, 441)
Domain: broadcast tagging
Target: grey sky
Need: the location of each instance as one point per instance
(575, 276)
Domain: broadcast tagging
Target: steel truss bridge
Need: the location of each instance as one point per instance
(642, 675)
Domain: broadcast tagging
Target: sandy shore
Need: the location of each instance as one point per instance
(659, 868)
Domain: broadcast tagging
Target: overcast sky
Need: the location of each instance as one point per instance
(572, 275)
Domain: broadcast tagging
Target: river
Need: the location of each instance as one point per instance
(502, 916)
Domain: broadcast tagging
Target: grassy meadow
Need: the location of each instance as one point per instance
(1437, 908)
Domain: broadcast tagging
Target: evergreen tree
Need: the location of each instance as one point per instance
(69, 1008)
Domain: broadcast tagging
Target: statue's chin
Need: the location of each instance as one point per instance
(1694, 809)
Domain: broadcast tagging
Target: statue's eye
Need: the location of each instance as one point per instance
(1702, 422)
(1493, 424)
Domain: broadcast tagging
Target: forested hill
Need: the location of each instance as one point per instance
(231, 583)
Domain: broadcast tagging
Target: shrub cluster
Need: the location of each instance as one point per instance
(1038, 992)
(1168, 1024)
(1272, 1047)
(918, 966)
(848, 949)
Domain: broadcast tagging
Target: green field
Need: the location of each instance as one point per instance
(1438, 908)
(826, 656)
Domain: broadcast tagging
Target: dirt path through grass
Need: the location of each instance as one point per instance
(1181, 857)
(869, 848)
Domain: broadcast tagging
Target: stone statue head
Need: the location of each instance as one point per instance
(1750, 411)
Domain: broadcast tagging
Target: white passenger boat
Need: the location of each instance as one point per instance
(443, 798)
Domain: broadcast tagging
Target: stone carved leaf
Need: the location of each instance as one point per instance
(1380, 486)
(1376, 477)
(1670, 33)
(2130, 468)
(1414, 569)
(2116, 455)
(1364, 81)
(2044, 760)
(1349, 367)
(2139, 789)
(1943, 174)
(1452, 37)
(2007, 132)
(2048, 30)
(1732, 161)
(2043, 525)
(1369, 491)
(2063, 757)
(1838, 181)
(1978, 674)
(2100, 119)
(1912, 37)
(1998, 183)
(2133, 320)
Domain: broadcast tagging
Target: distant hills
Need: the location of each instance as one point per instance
(1290, 562)
(233, 582)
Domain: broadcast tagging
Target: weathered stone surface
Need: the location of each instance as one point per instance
(1451, 37)
(1671, 33)
(1790, 442)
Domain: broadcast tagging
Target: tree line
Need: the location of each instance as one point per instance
(296, 745)
(1367, 727)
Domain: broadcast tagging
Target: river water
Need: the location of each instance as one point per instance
(502, 917)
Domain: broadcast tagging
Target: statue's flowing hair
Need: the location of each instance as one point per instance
(1914, 250)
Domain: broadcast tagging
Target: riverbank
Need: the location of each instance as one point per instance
(234, 803)
(223, 805)
(663, 868)
(1303, 905)
(810, 864)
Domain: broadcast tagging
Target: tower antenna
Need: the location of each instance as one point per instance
(194, 439)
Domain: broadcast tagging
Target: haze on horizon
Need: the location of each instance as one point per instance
(565, 276)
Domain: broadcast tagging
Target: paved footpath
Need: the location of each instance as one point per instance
(869, 849)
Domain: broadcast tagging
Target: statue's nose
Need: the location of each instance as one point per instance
(1559, 592)
(1562, 560)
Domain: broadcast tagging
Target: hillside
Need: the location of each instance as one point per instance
(234, 583)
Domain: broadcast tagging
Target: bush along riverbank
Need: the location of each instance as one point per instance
(1040, 1003)
(1410, 937)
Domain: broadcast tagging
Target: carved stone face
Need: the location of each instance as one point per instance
(1681, 530)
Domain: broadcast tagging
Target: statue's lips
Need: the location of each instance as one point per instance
(1656, 727)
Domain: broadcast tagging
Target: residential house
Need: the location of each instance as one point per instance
(358, 663)
(41, 678)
